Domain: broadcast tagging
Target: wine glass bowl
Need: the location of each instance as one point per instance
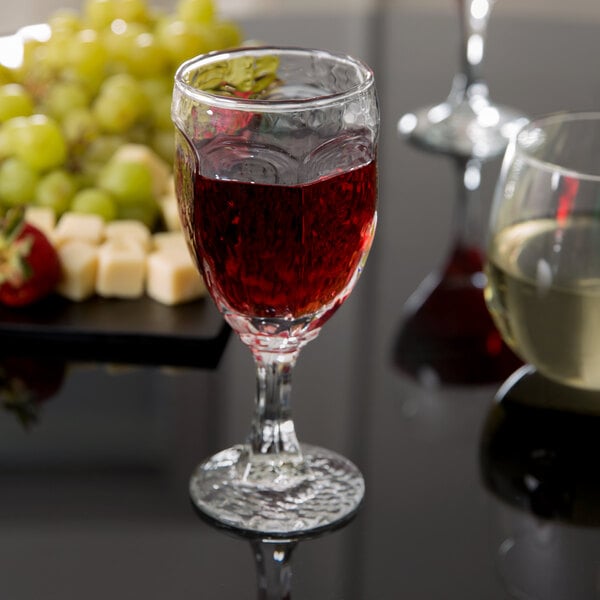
(544, 252)
(276, 176)
(468, 122)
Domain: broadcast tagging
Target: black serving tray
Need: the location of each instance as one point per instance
(140, 332)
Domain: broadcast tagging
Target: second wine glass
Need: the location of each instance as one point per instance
(468, 123)
(544, 250)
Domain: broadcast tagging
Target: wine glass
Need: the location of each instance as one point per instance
(544, 251)
(446, 335)
(468, 122)
(276, 180)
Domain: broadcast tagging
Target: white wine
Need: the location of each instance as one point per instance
(544, 294)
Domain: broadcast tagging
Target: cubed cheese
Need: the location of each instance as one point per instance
(79, 262)
(172, 278)
(121, 270)
(42, 217)
(167, 240)
(129, 230)
(77, 226)
(170, 213)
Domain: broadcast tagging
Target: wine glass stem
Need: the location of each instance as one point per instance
(467, 217)
(274, 569)
(474, 17)
(272, 431)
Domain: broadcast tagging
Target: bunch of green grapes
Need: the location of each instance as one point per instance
(101, 80)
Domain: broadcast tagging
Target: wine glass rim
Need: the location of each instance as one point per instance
(542, 123)
(277, 104)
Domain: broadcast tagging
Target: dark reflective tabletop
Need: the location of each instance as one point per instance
(474, 491)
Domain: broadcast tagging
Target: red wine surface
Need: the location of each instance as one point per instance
(279, 251)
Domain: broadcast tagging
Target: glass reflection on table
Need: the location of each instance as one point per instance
(272, 555)
(446, 334)
(540, 459)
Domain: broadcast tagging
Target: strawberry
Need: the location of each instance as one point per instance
(29, 264)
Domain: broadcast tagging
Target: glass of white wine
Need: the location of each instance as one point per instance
(544, 248)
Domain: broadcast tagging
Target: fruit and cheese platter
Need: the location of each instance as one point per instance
(93, 265)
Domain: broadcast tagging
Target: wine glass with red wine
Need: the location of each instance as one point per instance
(276, 181)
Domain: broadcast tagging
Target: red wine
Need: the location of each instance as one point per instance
(279, 251)
(450, 334)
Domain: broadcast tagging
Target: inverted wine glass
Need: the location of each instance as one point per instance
(467, 123)
(446, 335)
(544, 251)
(276, 180)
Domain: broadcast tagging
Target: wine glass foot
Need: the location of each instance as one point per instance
(462, 130)
(325, 491)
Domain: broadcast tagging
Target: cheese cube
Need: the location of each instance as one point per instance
(129, 230)
(167, 240)
(42, 217)
(170, 212)
(172, 277)
(121, 270)
(79, 261)
(78, 226)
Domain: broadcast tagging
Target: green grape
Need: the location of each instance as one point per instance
(146, 212)
(7, 75)
(95, 201)
(228, 34)
(95, 155)
(118, 40)
(101, 149)
(146, 56)
(55, 190)
(161, 111)
(31, 49)
(185, 39)
(8, 136)
(155, 86)
(38, 141)
(199, 11)
(120, 104)
(87, 55)
(163, 143)
(15, 101)
(79, 128)
(139, 134)
(53, 55)
(132, 11)
(63, 97)
(129, 182)
(18, 182)
(64, 22)
(102, 80)
(99, 13)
